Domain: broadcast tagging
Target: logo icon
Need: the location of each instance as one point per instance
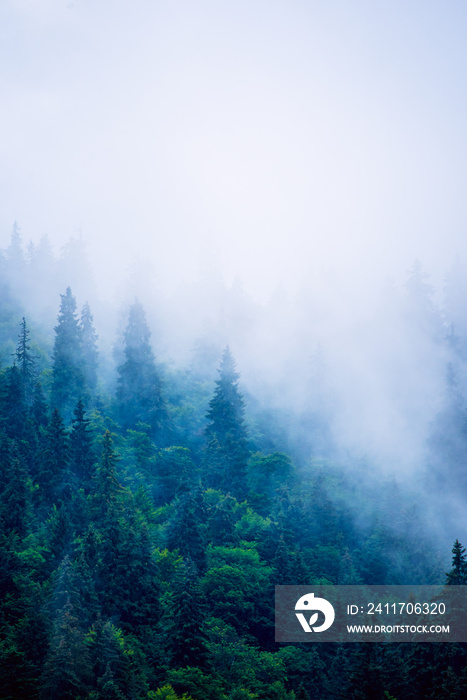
(309, 603)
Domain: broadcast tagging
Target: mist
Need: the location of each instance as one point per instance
(233, 338)
(273, 142)
(259, 175)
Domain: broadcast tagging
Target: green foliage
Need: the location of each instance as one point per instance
(39, 410)
(187, 531)
(167, 693)
(53, 476)
(89, 345)
(227, 447)
(68, 382)
(196, 682)
(67, 669)
(15, 490)
(174, 472)
(237, 583)
(266, 474)
(13, 408)
(186, 640)
(155, 567)
(82, 458)
(139, 392)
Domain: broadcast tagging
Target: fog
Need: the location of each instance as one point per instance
(275, 139)
(260, 174)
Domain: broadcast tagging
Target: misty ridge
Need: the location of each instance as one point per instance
(378, 386)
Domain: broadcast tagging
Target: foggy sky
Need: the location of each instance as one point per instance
(275, 140)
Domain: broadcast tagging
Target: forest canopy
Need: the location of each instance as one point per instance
(148, 511)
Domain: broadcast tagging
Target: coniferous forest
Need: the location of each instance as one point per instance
(146, 518)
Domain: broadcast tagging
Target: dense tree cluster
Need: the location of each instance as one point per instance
(142, 532)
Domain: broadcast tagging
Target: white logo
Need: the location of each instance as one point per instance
(308, 602)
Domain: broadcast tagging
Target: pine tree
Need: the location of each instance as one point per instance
(458, 574)
(139, 388)
(281, 564)
(126, 574)
(108, 659)
(90, 353)
(68, 377)
(14, 489)
(81, 453)
(60, 533)
(187, 643)
(67, 670)
(227, 447)
(187, 532)
(39, 410)
(14, 406)
(54, 476)
(25, 362)
(108, 499)
(108, 490)
(222, 523)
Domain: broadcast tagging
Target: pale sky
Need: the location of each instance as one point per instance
(272, 138)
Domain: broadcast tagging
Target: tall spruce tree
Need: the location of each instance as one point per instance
(53, 474)
(187, 531)
(25, 362)
(90, 353)
(108, 490)
(14, 489)
(14, 404)
(82, 457)
(67, 669)
(227, 446)
(68, 374)
(139, 387)
(458, 574)
(187, 642)
(38, 411)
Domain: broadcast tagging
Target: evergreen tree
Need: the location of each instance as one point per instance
(14, 406)
(281, 564)
(109, 513)
(108, 490)
(60, 533)
(187, 531)
(25, 361)
(139, 387)
(54, 477)
(174, 471)
(67, 669)
(14, 489)
(90, 353)
(106, 643)
(39, 410)
(68, 375)
(81, 453)
(227, 448)
(187, 644)
(222, 523)
(458, 574)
